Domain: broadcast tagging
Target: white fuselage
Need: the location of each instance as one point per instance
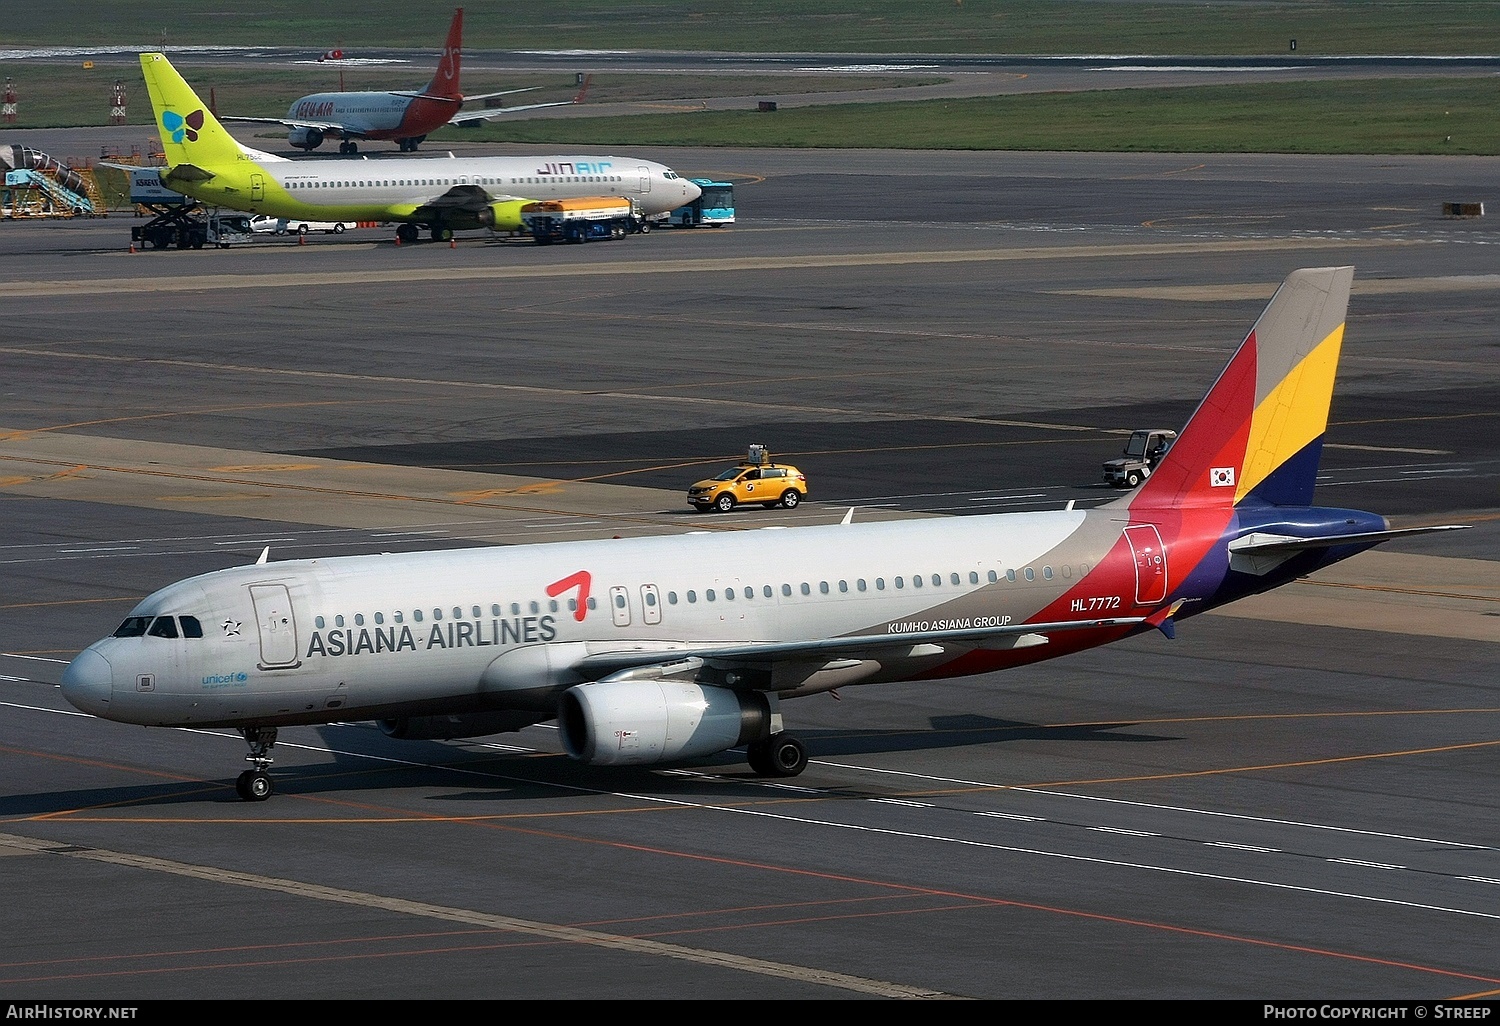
(362, 636)
(362, 113)
(422, 181)
(463, 192)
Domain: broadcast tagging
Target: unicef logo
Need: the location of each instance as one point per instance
(183, 127)
(222, 680)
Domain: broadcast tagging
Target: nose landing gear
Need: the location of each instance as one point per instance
(256, 785)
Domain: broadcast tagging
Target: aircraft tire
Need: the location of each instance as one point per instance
(782, 756)
(724, 503)
(255, 785)
(791, 498)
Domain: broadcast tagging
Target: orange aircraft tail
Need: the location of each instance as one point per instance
(445, 81)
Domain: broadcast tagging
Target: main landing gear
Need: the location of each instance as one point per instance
(348, 147)
(780, 756)
(256, 785)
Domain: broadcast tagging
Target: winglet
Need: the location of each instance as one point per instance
(585, 90)
(848, 517)
(265, 556)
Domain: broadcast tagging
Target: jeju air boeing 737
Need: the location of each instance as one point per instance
(406, 117)
(665, 649)
(443, 194)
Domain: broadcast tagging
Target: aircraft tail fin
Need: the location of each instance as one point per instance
(444, 82)
(190, 134)
(1258, 435)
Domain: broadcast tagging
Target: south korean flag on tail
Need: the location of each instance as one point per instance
(1221, 477)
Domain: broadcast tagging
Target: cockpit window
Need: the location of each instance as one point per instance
(133, 627)
(163, 627)
(191, 628)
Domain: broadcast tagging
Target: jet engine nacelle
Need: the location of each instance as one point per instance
(638, 723)
(504, 216)
(446, 728)
(305, 138)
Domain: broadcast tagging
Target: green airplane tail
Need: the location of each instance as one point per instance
(190, 134)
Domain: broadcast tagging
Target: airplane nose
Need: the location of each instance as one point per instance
(87, 683)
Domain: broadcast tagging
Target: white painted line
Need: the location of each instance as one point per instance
(1367, 865)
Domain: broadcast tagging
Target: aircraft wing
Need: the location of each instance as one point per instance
(863, 646)
(321, 126)
(470, 117)
(469, 199)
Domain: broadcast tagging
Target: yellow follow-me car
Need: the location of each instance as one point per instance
(758, 479)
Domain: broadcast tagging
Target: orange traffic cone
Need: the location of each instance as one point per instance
(301, 240)
(452, 243)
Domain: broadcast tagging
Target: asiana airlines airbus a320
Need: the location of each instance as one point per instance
(663, 650)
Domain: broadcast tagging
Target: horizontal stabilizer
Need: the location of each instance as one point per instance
(1263, 542)
(1261, 552)
(186, 173)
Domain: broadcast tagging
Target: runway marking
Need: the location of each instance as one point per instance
(363, 494)
(66, 602)
(1049, 791)
(1388, 448)
(1226, 770)
(31, 290)
(1249, 291)
(23, 434)
(546, 929)
(1425, 592)
(509, 924)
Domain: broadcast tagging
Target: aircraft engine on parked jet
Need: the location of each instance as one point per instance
(638, 723)
(504, 216)
(305, 138)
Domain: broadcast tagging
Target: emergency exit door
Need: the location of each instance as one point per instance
(1150, 564)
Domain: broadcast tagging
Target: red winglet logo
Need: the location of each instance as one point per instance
(581, 580)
